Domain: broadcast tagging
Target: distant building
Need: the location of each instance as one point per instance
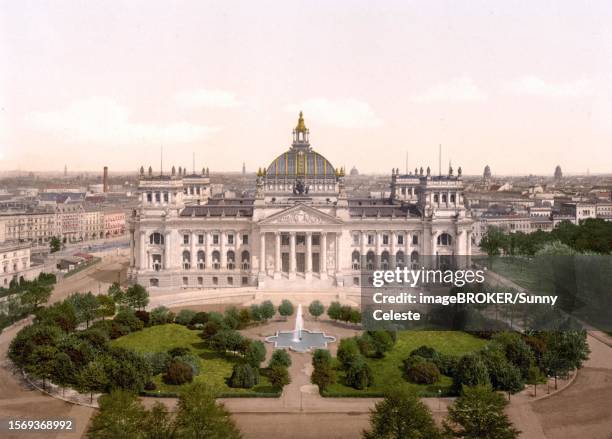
(486, 175)
(243, 168)
(354, 172)
(16, 265)
(558, 173)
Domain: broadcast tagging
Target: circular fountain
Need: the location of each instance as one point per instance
(300, 339)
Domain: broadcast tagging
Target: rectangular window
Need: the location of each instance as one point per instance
(385, 239)
(400, 239)
(230, 280)
(245, 280)
(370, 239)
(185, 239)
(415, 239)
(216, 239)
(200, 239)
(230, 239)
(157, 197)
(149, 197)
(356, 280)
(285, 239)
(185, 281)
(215, 280)
(245, 239)
(165, 197)
(355, 238)
(200, 281)
(316, 240)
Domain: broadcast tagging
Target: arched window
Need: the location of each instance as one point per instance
(435, 198)
(452, 198)
(216, 257)
(186, 260)
(384, 260)
(245, 260)
(444, 198)
(356, 258)
(399, 258)
(370, 260)
(445, 239)
(414, 258)
(156, 238)
(231, 260)
(201, 259)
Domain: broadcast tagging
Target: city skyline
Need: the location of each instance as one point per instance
(519, 87)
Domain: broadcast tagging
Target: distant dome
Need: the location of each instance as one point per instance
(487, 172)
(558, 173)
(354, 171)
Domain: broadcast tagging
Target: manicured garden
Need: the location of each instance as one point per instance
(215, 368)
(388, 371)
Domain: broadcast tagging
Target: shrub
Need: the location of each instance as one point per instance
(243, 376)
(231, 317)
(160, 316)
(280, 357)
(316, 309)
(117, 330)
(323, 374)
(185, 317)
(127, 318)
(279, 376)
(321, 356)
(199, 317)
(150, 386)
(178, 351)
(470, 371)
(244, 318)
(348, 351)
(380, 343)
(210, 329)
(192, 360)
(227, 340)
(178, 373)
(358, 374)
(285, 309)
(267, 310)
(143, 315)
(158, 361)
(423, 372)
(96, 337)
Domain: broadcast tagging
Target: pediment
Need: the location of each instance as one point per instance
(301, 215)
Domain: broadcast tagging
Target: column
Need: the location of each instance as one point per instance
(277, 255)
(262, 252)
(208, 262)
(392, 261)
(167, 255)
(291, 255)
(308, 271)
(194, 256)
(141, 258)
(323, 256)
(362, 251)
(222, 250)
(377, 256)
(339, 280)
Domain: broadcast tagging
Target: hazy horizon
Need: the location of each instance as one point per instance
(520, 86)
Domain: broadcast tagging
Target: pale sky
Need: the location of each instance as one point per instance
(519, 85)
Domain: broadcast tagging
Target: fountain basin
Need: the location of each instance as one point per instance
(307, 341)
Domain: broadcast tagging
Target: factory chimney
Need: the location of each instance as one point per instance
(105, 180)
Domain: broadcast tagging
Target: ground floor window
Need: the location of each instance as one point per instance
(200, 281)
(245, 280)
(154, 282)
(215, 280)
(185, 281)
(230, 280)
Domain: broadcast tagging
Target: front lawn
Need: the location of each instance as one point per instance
(214, 368)
(388, 371)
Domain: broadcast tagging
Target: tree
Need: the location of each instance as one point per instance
(348, 351)
(85, 305)
(280, 357)
(116, 293)
(42, 362)
(535, 377)
(255, 353)
(61, 314)
(106, 306)
(36, 294)
(502, 374)
(494, 241)
(200, 417)
(401, 415)
(423, 372)
(63, 371)
(358, 374)
(279, 376)
(565, 351)
(227, 340)
(184, 317)
(470, 371)
(160, 316)
(479, 414)
(158, 423)
(316, 309)
(243, 376)
(285, 309)
(323, 373)
(137, 297)
(267, 310)
(121, 416)
(92, 378)
(517, 350)
(380, 342)
(55, 244)
(334, 311)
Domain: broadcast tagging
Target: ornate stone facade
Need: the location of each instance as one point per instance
(301, 225)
